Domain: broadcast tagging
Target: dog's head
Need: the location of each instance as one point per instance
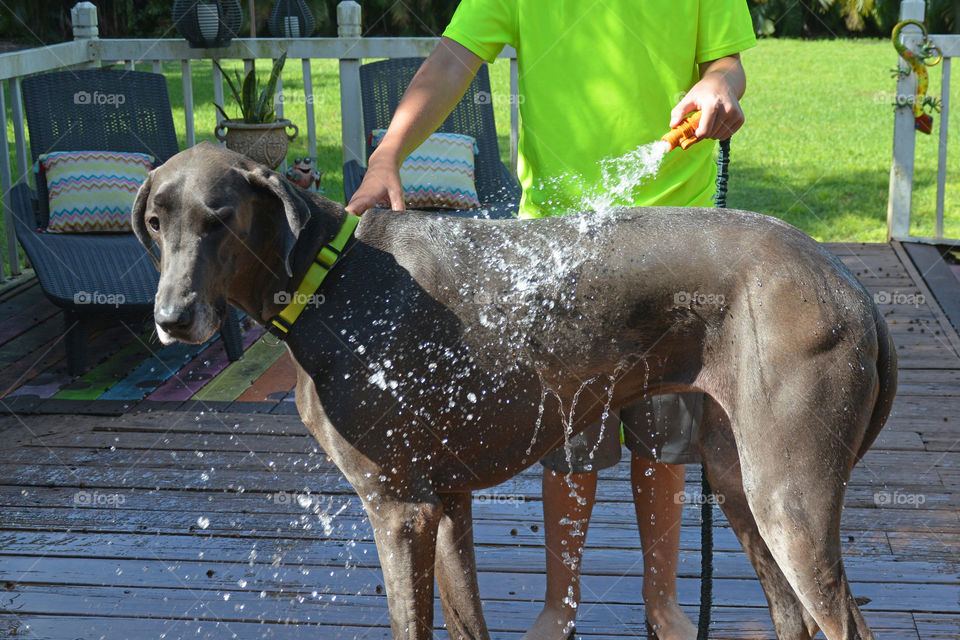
(224, 228)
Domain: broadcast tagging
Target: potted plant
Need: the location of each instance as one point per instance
(257, 134)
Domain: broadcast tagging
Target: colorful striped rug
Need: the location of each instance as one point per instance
(129, 368)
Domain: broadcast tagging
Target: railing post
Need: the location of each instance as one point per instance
(351, 117)
(83, 15)
(6, 183)
(904, 134)
(942, 149)
(515, 100)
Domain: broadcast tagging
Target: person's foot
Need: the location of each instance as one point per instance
(553, 623)
(669, 622)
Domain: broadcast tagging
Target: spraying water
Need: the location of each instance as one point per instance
(621, 175)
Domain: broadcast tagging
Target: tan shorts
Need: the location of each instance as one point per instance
(662, 428)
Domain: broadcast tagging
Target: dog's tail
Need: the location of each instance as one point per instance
(886, 382)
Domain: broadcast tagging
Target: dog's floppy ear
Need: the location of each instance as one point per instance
(295, 208)
(137, 219)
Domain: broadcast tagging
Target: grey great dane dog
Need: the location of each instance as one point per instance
(450, 353)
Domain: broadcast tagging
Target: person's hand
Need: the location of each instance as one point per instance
(380, 186)
(717, 97)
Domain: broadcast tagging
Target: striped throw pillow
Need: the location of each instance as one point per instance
(93, 191)
(439, 174)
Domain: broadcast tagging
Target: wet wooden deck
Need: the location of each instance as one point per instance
(196, 506)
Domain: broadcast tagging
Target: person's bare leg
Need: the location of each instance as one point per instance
(655, 490)
(567, 505)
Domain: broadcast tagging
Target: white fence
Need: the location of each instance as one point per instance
(87, 49)
(899, 206)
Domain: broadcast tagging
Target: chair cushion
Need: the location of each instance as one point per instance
(439, 174)
(92, 191)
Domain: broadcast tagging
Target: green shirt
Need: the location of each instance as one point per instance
(598, 79)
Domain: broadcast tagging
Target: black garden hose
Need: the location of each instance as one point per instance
(706, 504)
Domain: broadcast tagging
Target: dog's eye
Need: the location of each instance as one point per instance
(154, 223)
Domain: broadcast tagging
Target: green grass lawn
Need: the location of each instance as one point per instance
(815, 151)
(817, 145)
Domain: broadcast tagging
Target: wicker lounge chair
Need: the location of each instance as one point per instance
(64, 113)
(382, 85)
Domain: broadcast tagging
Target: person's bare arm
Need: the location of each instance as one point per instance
(433, 93)
(717, 96)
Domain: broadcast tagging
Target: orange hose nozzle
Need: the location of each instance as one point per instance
(684, 134)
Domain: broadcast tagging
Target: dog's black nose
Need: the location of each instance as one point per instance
(173, 317)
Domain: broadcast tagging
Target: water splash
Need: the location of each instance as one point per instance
(614, 189)
(621, 175)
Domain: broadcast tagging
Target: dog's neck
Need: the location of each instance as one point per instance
(257, 295)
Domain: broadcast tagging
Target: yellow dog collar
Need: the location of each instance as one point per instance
(325, 260)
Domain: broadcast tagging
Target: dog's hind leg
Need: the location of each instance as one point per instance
(457, 570)
(406, 536)
(718, 450)
(797, 438)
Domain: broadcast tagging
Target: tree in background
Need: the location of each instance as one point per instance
(34, 23)
(845, 18)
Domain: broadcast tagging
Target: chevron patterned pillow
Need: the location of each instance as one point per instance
(439, 174)
(92, 191)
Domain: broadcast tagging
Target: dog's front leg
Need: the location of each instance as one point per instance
(457, 570)
(406, 536)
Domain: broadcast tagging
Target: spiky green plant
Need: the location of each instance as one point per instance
(255, 107)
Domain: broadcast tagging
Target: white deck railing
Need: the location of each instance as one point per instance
(899, 206)
(87, 49)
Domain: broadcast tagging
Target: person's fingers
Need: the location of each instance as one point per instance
(685, 106)
(727, 121)
(708, 120)
(733, 124)
(396, 199)
(359, 204)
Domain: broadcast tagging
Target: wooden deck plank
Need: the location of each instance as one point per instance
(96, 381)
(73, 574)
(31, 365)
(17, 323)
(313, 552)
(598, 622)
(45, 373)
(199, 371)
(36, 336)
(280, 379)
(163, 364)
(931, 626)
(240, 375)
(21, 299)
(503, 615)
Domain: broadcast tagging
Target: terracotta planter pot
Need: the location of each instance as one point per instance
(263, 143)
